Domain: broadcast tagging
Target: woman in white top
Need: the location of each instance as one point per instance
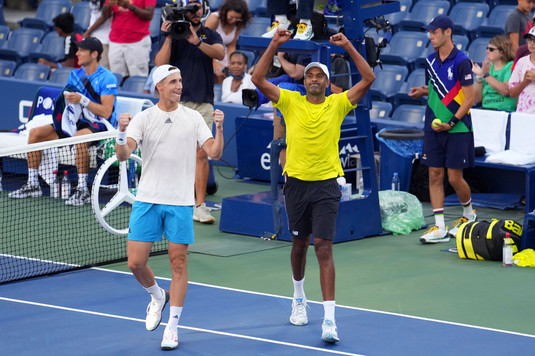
(228, 21)
(99, 28)
(237, 81)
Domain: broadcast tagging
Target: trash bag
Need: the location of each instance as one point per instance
(401, 212)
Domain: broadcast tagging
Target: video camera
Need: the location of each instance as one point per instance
(179, 25)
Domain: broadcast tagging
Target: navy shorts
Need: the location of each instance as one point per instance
(312, 207)
(442, 149)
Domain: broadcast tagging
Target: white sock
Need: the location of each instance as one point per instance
(82, 181)
(299, 291)
(306, 21)
(33, 176)
(439, 218)
(281, 18)
(468, 210)
(174, 316)
(328, 309)
(156, 292)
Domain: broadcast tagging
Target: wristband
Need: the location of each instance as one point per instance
(132, 8)
(165, 33)
(84, 101)
(121, 138)
(486, 75)
(199, 43)
(453, 121)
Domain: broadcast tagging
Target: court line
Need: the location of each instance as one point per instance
(38, 260)
(20, 301)
(341, 306)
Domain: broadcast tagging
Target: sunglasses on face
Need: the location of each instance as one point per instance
(491, 49)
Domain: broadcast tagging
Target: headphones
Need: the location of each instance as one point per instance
(204, 4)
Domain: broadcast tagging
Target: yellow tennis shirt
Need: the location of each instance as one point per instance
(312, 134)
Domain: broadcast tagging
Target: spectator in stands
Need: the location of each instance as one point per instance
(228, 21)
(492, 77)
(522, 81)
(339, 82)
(237, 81)
(523, 50)
(518, 23)
(165, 197)
(64, 26)
(99, 28)
(279, 8)
(85, 106)
(194, 57)
(130, 43)
(450, 142)
(149, 87)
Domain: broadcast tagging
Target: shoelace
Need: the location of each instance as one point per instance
(301, 28)
(274, 24)
(460, 221)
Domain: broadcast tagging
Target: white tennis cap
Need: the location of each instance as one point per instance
(319, 65)
(163, 72)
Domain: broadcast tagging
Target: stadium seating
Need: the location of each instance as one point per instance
(46, 11)
(258, 8)
(415, 79)
(119, 79)
(4, 34)
(395, 18)
(215, 4)
(20, 44)
(51, 48)
(7, 67)
(218, 91)
(467, 16)
(155, 47)
(380, 110)
(251, 57)
(461, 42)
(477, 50)
(257, 27)
(155, 25)
(495, 22)
(134, 84)
(82, 16)
(494, 3)
(413, 114)
(32, 72)
(60, 75)
(404, 48)
(388, 81)
(422, 13)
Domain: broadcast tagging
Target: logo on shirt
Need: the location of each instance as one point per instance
(168, 121)
(450, 73)
(468, 76)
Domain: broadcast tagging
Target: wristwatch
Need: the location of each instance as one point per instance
(486, 75)
(199, 43)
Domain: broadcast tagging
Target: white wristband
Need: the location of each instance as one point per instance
(121, 138)
(84, 101)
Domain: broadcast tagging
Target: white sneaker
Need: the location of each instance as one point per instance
(27, 190)
(154, 311)
(457, 224)
(170, 338)
(329, 331)
(304, 32)
(80, 197)
(434, 235)
(299, 312)
(202, 214)
(275, 26)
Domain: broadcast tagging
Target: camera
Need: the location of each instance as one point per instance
(179, 26)
(250, 98)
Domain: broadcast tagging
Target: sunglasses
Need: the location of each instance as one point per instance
(492, 49)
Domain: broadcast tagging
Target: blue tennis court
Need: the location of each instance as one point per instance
(96, 311)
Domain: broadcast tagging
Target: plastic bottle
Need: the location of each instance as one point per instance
(1, 181)
(54, 187)
(395, 182)
(65, 186)
(507, 251)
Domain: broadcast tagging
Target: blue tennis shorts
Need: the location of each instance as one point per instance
(442, 149)
(149, 222)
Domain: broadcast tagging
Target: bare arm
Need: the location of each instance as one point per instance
(296, 71)
(358, 90)
(123, 151)
(270, 90)
(98, 22)
(468, 91)
(103, 110)
(513, 36)
(529, 77)
(214, 147)
(212, 21)
(143, 13)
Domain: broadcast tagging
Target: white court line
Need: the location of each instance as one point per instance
(180, 326)
(342, 306)
(38, 260)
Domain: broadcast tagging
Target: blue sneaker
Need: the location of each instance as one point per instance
(329, 331)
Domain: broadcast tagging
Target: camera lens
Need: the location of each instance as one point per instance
(180, 30)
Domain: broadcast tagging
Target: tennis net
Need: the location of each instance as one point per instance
(42, 234)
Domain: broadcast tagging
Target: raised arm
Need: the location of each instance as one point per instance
(270, 90)
(358, 90)
(124, 146)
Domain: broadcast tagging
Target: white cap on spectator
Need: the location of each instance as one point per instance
(319, 65)
(163, 72)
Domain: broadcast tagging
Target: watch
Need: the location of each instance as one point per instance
(199, 43)
(486, 75)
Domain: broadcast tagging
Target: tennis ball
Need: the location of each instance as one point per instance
(436, 122)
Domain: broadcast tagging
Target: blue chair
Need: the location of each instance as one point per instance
(60, 75)
(155, 25)
(415, 79)
(21, 43)
(467, 17)
(380, 110)
(82, 16)
(494, 24)
(258, 7)
(477, 50)
(134, 84)
(218, 91)
(461, 42)
(495, 3)
(46, 11)
(32, 72)
(7, 68)
(422, 13)
(119, 79)
(52, 48)
(388, 81)
(251, 57)
(395, 18)
(215, 4)
(4, 34)
(257, 27)
(412, 114)
(404, 48)
(154, 48)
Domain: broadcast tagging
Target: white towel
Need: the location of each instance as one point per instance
(489, 129)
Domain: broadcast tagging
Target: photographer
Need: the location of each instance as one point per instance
(193, 55)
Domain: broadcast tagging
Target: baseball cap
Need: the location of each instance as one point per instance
(440, 21)
(319, 65)
(163, 72)
(530, 33)
(90, 43)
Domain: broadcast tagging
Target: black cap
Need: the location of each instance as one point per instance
(90, 43)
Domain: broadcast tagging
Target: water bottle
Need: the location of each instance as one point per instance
(507, 255)
(1, 181)
(54, 186)
(395, 182)
(65, 186)
(361, 186)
